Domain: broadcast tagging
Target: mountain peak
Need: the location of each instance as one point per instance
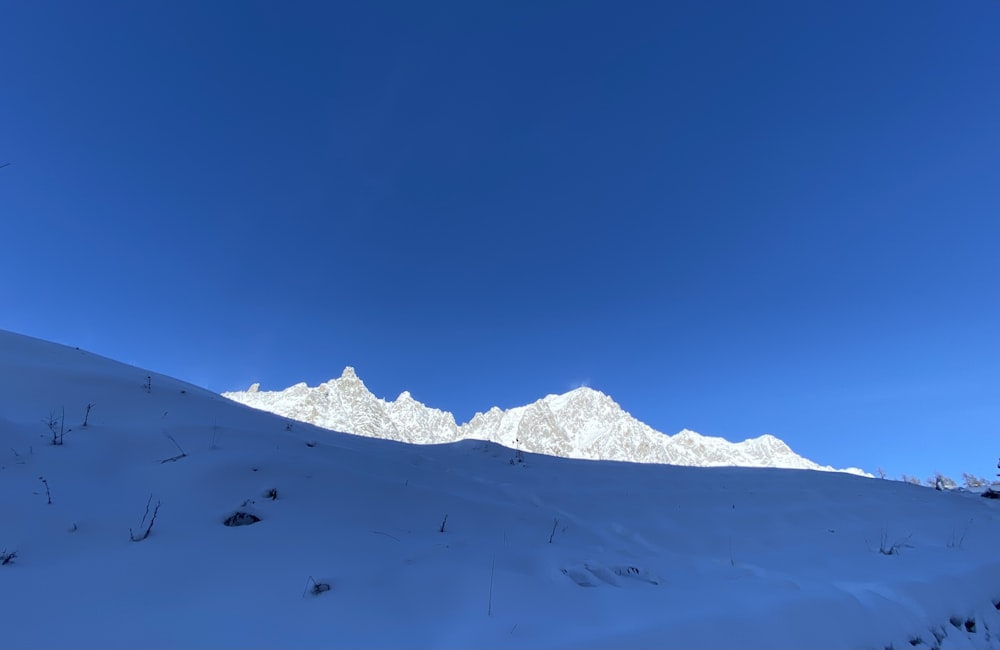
(584, 392)
(582, 423)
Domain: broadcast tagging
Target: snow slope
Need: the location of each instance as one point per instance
(548, 553)
(583, 423)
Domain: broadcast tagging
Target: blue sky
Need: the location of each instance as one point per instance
(739, 218)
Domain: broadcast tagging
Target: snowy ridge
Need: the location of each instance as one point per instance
(346, 405)
(357, 542)
(583, 423)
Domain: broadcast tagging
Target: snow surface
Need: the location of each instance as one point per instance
(583, 423)
(548, 553)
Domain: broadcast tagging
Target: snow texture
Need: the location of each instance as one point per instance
(348, 550)
(583, 423)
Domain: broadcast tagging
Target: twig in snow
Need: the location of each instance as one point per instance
(48, 494)
(86, 416)
(379, 532)
(149, 528)
(317, 587)
(961, 540)
(885, 548)
(215, 434)
(58, 428)
(443, 522)
(493, 566)
(183, 454)
(555, 522)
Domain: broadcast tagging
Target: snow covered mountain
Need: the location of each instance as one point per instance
(140, 511)
(583, 423)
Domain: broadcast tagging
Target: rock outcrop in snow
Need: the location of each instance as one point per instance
(583, 423)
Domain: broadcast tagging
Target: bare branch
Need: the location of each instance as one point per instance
(149, 528)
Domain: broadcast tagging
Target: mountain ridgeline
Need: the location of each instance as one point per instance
(583, 423)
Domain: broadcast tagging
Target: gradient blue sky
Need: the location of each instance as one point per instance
(739, 218)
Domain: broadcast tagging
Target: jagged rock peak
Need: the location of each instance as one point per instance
(582, 423)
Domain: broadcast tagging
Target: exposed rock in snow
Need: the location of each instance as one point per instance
(583, 423)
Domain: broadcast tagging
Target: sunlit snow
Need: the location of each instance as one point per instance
(583, 423)
(550, 552)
